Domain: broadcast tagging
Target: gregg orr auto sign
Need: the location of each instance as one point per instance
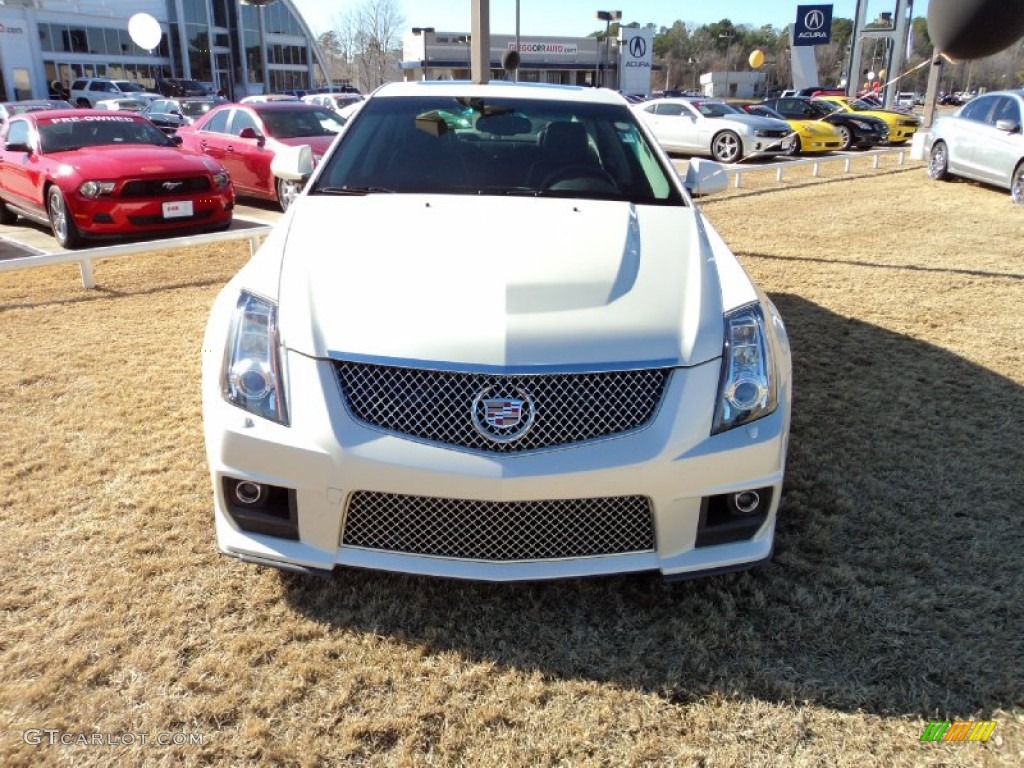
(813, 25)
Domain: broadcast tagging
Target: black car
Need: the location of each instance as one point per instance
(179, 86)
(858, 131)
(170, 114)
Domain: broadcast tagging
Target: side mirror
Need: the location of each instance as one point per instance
(175, 139)
(18, 146)
(705, 177)
(250, 133)
(293, 163)
(1010, 126)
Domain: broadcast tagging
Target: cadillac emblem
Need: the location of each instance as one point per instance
(503, 413)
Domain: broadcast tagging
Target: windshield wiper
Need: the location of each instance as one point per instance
(351, 190)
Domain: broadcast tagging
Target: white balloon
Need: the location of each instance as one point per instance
(871, 75)
(145, 31)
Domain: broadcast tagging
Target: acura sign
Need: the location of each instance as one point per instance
(813, 25)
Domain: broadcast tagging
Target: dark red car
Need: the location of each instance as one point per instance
(245, 137)
(96, 174)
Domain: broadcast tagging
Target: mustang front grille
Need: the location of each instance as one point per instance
(501, 413)
(165, 187)
(498, 530)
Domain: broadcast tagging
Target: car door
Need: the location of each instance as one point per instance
(20, 171)
(673, 125)
(248, 159)
(211, 137)
(996, 151)
(968, 128)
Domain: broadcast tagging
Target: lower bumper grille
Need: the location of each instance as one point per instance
(498, 530)
(150, 221)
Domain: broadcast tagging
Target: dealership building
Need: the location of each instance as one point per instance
(240, 49)
(622, 63)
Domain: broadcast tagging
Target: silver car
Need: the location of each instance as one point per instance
(714, 128)
(982, 141)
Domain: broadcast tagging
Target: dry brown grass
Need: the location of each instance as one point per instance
(895, 595)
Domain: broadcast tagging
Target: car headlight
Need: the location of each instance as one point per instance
(747, 388)
(220, 179)
(252, 367)
(763, 133)
(96, 188)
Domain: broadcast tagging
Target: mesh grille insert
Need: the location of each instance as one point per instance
(501, 413)
(498, 530)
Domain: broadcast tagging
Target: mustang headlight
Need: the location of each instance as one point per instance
(220, 179)
(96, 188)
(252, 368)
(747, 388)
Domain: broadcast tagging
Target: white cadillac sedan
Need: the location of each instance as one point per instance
(715, 129)
(983, 141)
(530, 357)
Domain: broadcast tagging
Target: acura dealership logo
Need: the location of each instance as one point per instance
(637, 47)
(814, 20)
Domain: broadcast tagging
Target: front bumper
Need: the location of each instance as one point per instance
(113, 217)
(326, 458)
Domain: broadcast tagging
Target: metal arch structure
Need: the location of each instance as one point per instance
(896, 35)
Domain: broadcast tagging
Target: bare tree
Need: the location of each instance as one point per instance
(370, 42)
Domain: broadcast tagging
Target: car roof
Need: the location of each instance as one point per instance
(50, 114)
(499, 88)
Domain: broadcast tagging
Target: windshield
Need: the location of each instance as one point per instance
(497, 146)
(195, 108)
(822, 108)
(293, 123)
(127, 87)
(61, 134)
(860, 104)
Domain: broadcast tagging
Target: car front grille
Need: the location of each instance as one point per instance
(773, 134)
(165, 187)
(499, 413)
(498, 530)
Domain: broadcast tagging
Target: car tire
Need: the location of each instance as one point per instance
(794, 147)
(726, 147)
(1017, 184)
(64, 230)
(7, 216)
(846, 135)
(287, 191)
(938, 162)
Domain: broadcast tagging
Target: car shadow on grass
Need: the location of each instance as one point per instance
(896, 585)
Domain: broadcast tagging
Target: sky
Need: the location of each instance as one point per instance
(576, 18)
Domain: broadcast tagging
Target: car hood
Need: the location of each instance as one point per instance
(122, 160)
(756, 122)
(509, 282)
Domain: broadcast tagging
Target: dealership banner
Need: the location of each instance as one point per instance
(559, 49)
(813, 25)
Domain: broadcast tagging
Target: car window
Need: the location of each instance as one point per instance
(713, 108)
(218, 123)
(979, 109)
(497, 146)
(243, 120)
(668, 109)
(18, 132)
(1006, 108)
(293, 123)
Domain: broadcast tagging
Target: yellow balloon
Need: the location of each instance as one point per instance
(756, 59)
(881, 74)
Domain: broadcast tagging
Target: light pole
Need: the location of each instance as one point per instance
(607, 17)
(728, 36)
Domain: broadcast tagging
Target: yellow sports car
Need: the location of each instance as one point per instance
(809, 135)
(902, 125)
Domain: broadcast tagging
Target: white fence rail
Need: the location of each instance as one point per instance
(85, 258)
(876, 155)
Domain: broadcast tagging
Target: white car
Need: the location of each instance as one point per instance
(335, 101)
(714, 128)
(983, 141)
(530, 357)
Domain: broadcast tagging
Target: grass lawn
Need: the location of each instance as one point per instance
(896, 595)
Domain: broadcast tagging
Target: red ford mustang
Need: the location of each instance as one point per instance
(95, 174)
(244, 137)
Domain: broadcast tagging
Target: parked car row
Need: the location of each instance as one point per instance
(787, 125)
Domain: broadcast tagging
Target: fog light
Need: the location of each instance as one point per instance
(248, 492)
(746, 502)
